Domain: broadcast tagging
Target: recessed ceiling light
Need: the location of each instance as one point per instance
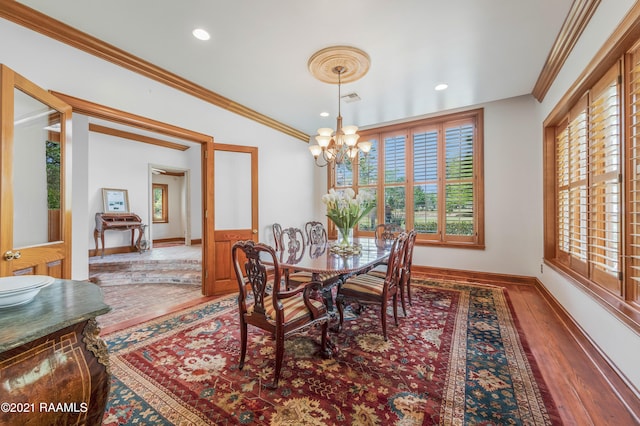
(441, 86)
(201, 34)
(324, 114)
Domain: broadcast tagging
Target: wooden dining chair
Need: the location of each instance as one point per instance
(265, 304)
(385, 233)
(405, 278)
(276, 228)
(316, 233)
(316, 238)
(291, 247)
(367, 289)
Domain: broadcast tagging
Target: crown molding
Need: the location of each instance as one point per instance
(577, 19)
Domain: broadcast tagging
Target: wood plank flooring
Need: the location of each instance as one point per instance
(586, 390)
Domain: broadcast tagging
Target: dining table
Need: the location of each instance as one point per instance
(322, 259)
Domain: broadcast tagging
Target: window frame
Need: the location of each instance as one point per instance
(164, 188)
(407, 130)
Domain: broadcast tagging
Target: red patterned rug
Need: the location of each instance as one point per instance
(457, 358)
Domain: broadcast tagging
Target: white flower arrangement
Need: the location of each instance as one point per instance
(345, 208)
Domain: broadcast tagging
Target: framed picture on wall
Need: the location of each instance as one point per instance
(115, 200)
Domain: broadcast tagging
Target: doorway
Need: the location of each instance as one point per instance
(169, 211)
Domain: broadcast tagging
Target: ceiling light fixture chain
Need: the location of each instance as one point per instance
(332, 149)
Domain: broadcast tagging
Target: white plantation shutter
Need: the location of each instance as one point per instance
(578, 197)
(562, 183)
(604, 182)
(459, 180)
(368, 181)
(395, 176)
(426, 191)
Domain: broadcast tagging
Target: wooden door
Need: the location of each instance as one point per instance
(236, 207)
(35, 206)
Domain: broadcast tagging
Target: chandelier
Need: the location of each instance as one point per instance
(341, 146)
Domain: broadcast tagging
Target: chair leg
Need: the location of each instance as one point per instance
(340, 303)
(404, 307)
(326, 346)
(243, 342)
(395, 308)
(383, 317)
(279, 356)
(409, 288)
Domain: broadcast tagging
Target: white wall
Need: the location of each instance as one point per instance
(614, 338)
(124, 164)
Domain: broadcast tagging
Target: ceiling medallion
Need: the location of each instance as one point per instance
(354, 62)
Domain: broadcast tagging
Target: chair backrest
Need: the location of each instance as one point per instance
(292, 244)
(316, 232)
(387, 232)
(277, 234)
(251, 273)
(395, 263)
(408, 254)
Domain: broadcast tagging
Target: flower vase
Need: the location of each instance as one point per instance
(345, 237)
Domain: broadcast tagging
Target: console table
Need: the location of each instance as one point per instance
(54, 368)
(117, 222)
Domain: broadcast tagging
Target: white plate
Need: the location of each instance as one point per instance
(23, 289)
(9, 285)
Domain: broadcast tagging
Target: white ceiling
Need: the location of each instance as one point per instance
(258, 52)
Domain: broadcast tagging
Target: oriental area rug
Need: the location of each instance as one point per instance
(456, 359)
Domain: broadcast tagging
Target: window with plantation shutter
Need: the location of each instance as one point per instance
(426, 182)
(604, 182)
(368, 181)
(395, 177)
(459, 179)
(427, 176)
(592, 182)
(571, 172)
(587, 174)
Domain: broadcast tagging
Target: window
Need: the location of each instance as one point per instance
(587, 151)
(592, 186)
(427, 175)
(160, 203)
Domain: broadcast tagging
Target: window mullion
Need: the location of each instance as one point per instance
(408, 183)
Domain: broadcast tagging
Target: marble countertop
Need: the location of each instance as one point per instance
(59, 305)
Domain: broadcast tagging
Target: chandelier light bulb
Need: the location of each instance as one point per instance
(365, 146)
(350, 130)
(323, 141)
(316, 150)
(351, 139)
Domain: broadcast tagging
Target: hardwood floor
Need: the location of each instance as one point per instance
(586, 390)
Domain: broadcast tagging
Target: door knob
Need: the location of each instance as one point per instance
(10, 255)
(255, 231)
